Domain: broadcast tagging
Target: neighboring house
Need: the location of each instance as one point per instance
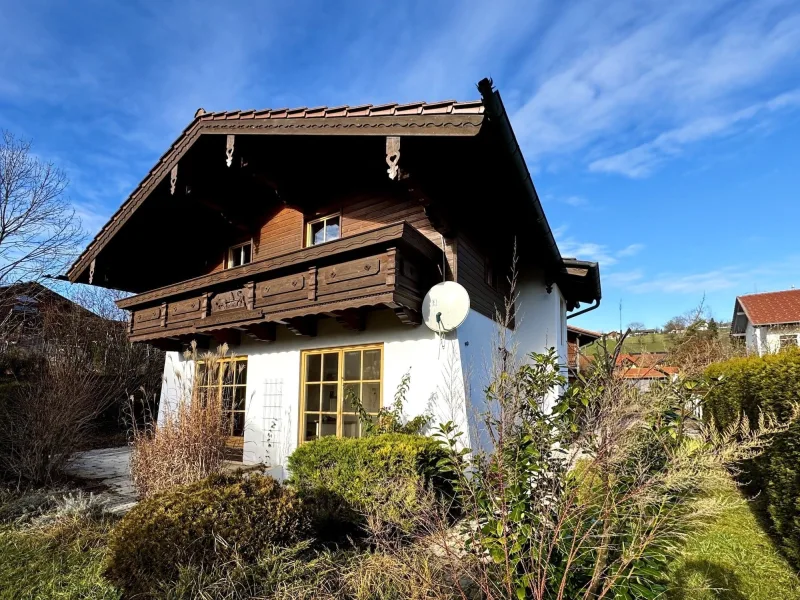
(768, 322)
(576, 339)
(306, 240)
(642, 369)
(30, 313)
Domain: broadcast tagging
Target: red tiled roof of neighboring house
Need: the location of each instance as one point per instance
(772, 308)
(645, 359)
(584, 332)
(660, 372)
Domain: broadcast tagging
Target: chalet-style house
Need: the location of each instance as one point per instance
(307, 238)
(768, 322)
(577, 338)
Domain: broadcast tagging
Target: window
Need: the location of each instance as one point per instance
(228, 384)
(330, 380)
(323, 230)
(239, 255)
(489, 274)
(788, 341)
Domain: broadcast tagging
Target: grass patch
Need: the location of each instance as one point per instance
(62, 558)
(732, 559)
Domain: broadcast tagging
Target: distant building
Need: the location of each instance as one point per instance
(767, 322)
(576, 339)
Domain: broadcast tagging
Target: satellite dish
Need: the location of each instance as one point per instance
(445, 306)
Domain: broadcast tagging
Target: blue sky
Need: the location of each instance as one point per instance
(664, 138)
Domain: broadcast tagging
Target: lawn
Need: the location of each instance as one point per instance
(733, 559)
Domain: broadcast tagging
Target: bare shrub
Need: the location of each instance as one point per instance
(188, 442)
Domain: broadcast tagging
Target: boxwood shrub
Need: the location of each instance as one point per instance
(349, 478)
(771, 384)
(202, 524)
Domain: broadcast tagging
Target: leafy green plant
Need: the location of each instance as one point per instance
(746, 387)
(391, 419)
(202, 524)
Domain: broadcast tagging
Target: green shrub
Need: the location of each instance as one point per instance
(386, 475)
(769, 384)
(203, 524)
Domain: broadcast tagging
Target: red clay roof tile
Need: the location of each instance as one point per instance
(771, 308)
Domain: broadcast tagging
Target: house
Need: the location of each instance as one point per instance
(576, 339)
(767, 322)
(644, 377)
(31, 314)
(307, 238)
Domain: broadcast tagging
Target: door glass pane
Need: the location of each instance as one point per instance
(312, 397)
(238, 397)
(328, 425)
(372, 364)
(317, 232)
(330, 367)
(240, 372)
(227, 372)
(312, 427)
(332, 229)
(313, 367)
(227, 398)
(352, 366)
(330, 397)
(351, 396)
(371, 397)
(238, 424)
(350, 426)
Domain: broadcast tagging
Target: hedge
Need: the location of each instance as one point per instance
(203, 524)
(382, 474)
(770, 384)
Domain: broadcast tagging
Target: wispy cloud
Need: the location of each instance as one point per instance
(686, 70)
(740, 278)
(572, 247)
(643, 159)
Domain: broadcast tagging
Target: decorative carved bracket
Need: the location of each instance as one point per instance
(229, 141)
(354, 319)
(173, 179)
(263, 332)
(408, 316)
(92, 266)
(393, 156)
(306, 326)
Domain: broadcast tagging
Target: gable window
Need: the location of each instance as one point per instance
(228, 385)
(788, 341)
(239, 255)
(331, 380)
(323, 230)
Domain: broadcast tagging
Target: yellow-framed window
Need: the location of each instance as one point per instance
(325, 229)
(228, 384)
(331, 380)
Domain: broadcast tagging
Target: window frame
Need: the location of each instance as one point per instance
(301, 422)
(787, 337)
(231, 249)
(309, 238)
(229, 360)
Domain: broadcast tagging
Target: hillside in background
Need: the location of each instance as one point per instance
(646, 343)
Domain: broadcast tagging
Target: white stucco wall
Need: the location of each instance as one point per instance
(766, 339)
(448, 374)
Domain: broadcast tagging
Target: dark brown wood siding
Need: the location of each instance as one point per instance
(472, 265)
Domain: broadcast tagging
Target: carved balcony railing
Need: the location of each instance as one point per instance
(392, 267)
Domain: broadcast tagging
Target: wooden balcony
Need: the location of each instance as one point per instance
(392, 266)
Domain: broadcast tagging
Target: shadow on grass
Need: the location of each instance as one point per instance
(704, 579)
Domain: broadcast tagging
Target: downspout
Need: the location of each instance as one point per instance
(496, 112)
(585, 310)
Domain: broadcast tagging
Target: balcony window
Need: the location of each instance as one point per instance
(323, 230)
(239, 255)
(332, 380)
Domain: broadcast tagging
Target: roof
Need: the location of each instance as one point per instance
(381, 119)
(660, 372)
(771, 308)
(584, 333)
